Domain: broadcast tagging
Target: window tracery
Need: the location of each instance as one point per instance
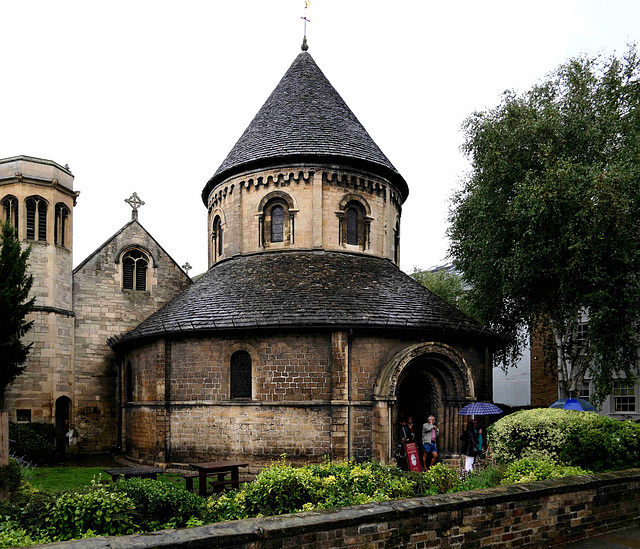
(10, 210)
(36, 218)
(60, 227)
(135, 264)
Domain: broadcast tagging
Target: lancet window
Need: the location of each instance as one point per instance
(60, 228)
(10, 210)
(36, 218)
(216, 237)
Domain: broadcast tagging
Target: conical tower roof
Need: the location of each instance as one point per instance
(305, 120)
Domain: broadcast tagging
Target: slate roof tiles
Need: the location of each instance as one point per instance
(305, 120)
(299, 289)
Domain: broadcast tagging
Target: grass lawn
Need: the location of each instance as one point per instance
(57, 479)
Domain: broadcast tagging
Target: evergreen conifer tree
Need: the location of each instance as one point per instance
(15, 305)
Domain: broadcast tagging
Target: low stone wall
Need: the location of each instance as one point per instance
(537, 515)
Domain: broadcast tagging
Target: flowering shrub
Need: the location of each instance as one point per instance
(582, 439)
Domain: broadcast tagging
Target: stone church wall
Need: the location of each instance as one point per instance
(104, 309)
(317, 194)
(305, 402)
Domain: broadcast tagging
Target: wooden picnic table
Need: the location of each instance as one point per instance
(134, 472)
(221, 469)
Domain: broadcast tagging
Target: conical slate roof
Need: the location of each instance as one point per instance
(312, 289)
(305, 120)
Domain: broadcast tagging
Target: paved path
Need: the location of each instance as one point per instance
(620, 539)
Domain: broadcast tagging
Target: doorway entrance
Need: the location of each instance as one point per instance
(63, 416)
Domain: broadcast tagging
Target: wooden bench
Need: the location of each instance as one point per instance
(188, 477)
(134, 472)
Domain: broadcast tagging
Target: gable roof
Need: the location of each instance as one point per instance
(119, 232)
(304, 289)
(305, 120)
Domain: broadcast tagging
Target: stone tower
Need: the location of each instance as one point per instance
(37, 197)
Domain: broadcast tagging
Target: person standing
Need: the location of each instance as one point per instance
(470, 445)
(430, 432)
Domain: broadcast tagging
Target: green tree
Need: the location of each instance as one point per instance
(546, 226)
(15, 305)
(447, 284)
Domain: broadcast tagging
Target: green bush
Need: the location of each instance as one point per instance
(530, 470)
(33, 442)
(11, 476)
(582, 439)
(482, 478)
(12, 535)
(442, 478)
(98, 511)
(161, 504)
(282, 488)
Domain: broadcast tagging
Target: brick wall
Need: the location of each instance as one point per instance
(530, 515)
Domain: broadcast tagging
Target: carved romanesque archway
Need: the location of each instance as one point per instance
(423, 379)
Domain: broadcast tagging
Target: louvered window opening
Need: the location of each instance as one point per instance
(134, 271)
(60, 227)
(277, 224)
(241, 375)
(36, 219)
(352, 226)
(10, 209)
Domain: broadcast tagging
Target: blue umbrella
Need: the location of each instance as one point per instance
(479, 409)
(578, 404)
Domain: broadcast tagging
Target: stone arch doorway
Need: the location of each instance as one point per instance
(63, 418)
(423, 379)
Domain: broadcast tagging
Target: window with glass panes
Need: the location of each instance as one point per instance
(624, 397)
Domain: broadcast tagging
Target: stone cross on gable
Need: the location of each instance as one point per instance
(135, 202)
(187, 268)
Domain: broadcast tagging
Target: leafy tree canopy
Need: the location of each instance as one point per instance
(447, 284)
(15, 305)
(546, 226)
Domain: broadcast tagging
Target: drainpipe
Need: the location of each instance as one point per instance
(349, 396)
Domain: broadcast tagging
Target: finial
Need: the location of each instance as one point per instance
(186, 267)
(305, 46)
(135, 202)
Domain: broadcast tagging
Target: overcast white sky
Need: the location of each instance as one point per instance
(151, 96)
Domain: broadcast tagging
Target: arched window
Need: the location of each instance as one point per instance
(10, 210)
(60, 227)
(277, 223)
(277, 219)
(354, 223)
(240, 375)
(36, 218)
(134, 270)
(129, 382)
(352, 226)
(396, 244)
(216, 235)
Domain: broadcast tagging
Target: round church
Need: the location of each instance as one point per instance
(303, 337)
